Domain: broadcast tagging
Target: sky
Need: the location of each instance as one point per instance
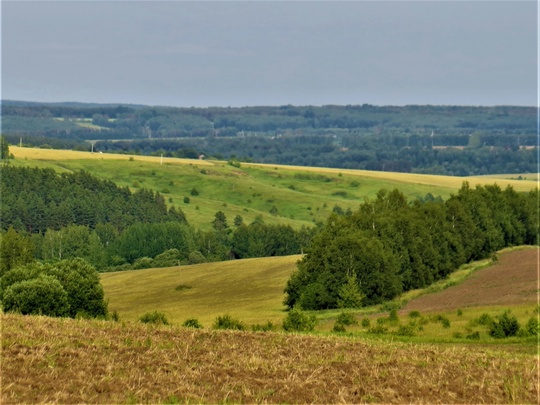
(247, 53)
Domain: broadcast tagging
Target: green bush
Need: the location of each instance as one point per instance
(346, 319)
(298, 321)
(339, 327)
(78, 278)
(406, 330)
(196, 257)
(505, 325)
(365, 323)
(473, 336)
(393, 315)
(267, 327)
(414, 314)
(485, 319)
(228, 322)
(192, 323)
(157, 318)
(532, 327)
(43, 295)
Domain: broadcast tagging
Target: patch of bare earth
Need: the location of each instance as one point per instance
(513, 279)
(76, 361)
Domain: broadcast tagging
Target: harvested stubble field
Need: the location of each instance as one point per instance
(46, 360)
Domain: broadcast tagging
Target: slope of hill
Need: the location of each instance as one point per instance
(512, 280)
(300, 195)
(252, 289)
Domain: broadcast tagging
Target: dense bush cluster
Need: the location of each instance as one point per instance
(67, 288)
(391, 245)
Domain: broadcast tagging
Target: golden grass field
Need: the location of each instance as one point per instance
(453, 182)
(249, 289)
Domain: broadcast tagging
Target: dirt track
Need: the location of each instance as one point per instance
(512, 280)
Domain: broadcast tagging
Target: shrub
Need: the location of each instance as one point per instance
(505, 325)
(393, 316)
(43, 295)
(186, 200)
(365, 323)
(406, 330)
(459, 312)
(445, 322)
(143, 263)
(267, 327)
(339, 327)
(298, 321)
(414, 314)
(346, 319)
(196, 258)
(473, 336)
(192, 323)
(532, 327)
(485, 319)
(157, 318)
(228, 322)
(194, 192)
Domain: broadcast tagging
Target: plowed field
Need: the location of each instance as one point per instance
(512, 280)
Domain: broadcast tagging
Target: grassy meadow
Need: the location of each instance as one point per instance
(250, 290)
(301, 195)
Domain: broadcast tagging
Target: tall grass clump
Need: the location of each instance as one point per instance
(156, 318)
(228, 322)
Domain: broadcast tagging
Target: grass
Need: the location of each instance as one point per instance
(302, 195)
(82, 361)
(250, 290)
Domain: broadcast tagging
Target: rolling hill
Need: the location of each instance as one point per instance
(300, 195)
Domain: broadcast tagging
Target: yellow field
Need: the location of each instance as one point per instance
(452, 182)
(250, 290)
(55, 154)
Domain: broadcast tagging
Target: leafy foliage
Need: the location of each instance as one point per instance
(79, 283)
(504, 325)
(155, 317)
(390, 245)
(228, 322)
(43, 295)
(298, 321)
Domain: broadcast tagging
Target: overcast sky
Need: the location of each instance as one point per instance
(232, 53)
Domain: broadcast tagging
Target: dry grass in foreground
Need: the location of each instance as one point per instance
(72, 361)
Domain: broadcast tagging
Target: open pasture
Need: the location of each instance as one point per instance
(250, 290)
(301, 196)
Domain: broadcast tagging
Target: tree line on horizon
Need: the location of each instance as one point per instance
(452, 140)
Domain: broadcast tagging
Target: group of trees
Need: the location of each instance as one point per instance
(52, 217)
(431, 139)
(390, 245)
(36, 200)
(66, 288)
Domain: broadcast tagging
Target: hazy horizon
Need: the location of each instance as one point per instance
(230, 53)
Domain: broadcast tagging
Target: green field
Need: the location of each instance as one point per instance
(301, 195)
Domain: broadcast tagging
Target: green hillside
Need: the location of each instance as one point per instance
(289, 195)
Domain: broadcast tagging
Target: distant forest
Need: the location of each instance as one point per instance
(451, 140)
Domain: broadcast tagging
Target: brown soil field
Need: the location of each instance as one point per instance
(48, 360)
(514, 279)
